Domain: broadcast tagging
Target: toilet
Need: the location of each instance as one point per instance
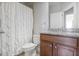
(30, 48)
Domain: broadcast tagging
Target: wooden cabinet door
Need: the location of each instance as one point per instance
(62, 50)
(45, 49)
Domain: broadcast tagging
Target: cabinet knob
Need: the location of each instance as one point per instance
(50, 45)
(55, 46)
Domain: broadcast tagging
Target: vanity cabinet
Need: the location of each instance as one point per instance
(62, 50)
(46, 48)
(58, 45)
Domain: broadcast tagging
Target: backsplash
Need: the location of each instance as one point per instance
(72, 30)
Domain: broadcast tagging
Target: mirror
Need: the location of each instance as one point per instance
(68, 18)
(62, 16)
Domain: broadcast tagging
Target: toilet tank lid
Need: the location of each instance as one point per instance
(29, 45)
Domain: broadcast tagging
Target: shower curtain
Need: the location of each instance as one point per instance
(17, 23)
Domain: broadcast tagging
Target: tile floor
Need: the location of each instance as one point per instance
(23, 53)
(37, 52)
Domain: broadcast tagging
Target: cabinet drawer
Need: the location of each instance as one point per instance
(65, 40)
(60, 39)
(46, 38)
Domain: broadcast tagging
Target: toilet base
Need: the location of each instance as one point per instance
(30, 53)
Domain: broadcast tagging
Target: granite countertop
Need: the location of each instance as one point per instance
(69, 34)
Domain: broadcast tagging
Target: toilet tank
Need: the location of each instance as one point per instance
(36, 39)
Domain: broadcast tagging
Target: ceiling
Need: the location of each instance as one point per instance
(29, 4)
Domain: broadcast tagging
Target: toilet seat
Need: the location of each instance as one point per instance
(29, 49)
(29, 45)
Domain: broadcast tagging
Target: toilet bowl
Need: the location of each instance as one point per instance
(29, 49)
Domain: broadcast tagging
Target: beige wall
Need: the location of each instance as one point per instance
(41, 17)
